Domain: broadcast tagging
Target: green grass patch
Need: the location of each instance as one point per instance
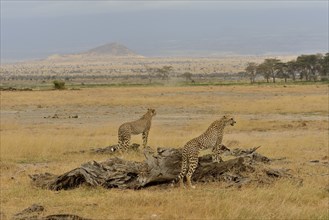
(77, 86)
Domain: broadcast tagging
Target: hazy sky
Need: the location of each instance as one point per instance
(36, 29)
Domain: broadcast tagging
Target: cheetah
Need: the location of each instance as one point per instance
(127, 129)
(211, 138)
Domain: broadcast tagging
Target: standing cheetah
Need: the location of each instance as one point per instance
(211, 138)
(141, 125)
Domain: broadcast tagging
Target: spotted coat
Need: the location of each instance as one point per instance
(211, 138)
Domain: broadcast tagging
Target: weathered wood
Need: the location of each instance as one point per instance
(35, 212)
(250, 153)
(157, 168)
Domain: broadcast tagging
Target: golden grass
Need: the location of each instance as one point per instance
(210, 201)
(287, 122)
(215, 100)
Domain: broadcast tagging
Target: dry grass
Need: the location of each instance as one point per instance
(287, 122)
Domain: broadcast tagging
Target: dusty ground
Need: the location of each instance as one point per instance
(38, 127)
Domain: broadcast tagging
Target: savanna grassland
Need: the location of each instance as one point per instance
(78, 69)
(38, 128)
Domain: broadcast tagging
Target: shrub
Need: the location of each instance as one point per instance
(59, 84)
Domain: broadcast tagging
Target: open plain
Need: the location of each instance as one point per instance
(289, 122)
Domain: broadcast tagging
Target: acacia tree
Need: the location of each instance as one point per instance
(164, 72)
(262, 69)
(150, 73)
(292, 69)
(269, 68)
(324, 73)
(251, 70)
(281, 69)
(187, 76)
(273, 66)
(310, 66)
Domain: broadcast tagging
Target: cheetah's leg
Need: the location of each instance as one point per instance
(216, 154)
(145, 136)
(183, 169)
(124, 142)
(193, 163)
(120, 143)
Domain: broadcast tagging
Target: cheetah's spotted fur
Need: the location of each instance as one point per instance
(211, 138)
(141, 125)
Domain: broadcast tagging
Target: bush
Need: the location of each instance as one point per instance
(59, 84)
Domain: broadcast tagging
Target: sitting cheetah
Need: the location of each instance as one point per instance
(141, 125)
(211, 138)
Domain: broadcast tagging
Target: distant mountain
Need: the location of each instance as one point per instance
(104, 52)
(111, 49)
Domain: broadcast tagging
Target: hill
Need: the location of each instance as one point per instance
(111, 49)
(97, 54)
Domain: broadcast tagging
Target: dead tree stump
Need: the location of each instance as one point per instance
(157, 168)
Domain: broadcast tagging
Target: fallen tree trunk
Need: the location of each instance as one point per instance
(158, 168)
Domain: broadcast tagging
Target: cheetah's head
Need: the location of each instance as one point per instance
(151, 111)
(229, 120)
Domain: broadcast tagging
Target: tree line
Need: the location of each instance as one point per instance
(312, 67)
